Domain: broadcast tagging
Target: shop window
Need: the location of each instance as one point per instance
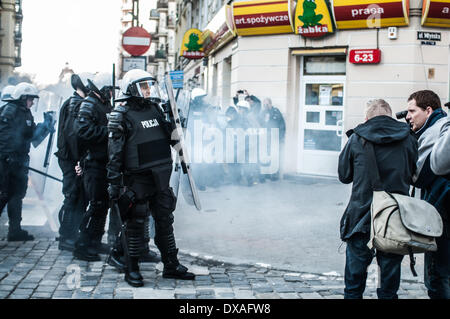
(332, 117)
(324, 65)
(322, 140)
(324, 94)
(313, 117)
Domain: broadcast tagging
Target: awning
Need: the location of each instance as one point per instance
(263, 17)
(436, 13)
(367, 14)
(328, 51)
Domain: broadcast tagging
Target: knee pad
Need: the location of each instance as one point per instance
(165, 201)
(140, 211)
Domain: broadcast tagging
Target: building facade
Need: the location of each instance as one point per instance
(321, 84)
(10, 38)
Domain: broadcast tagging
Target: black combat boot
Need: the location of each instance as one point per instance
(15, 232)
(172, 267)
(135, 237)
(132, 275)
(97, 229)
(116, 258)
(19, 235)
(83, 250)
(68, 232)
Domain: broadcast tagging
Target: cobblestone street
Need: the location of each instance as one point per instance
(38, 270)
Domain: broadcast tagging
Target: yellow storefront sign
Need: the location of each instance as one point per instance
(363, 14)
(192, 45)
(313, 18)
(436, 13)
(263, 17)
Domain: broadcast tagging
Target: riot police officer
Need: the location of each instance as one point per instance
(17, 132)
(140, 158)
(93, 142)
(68, 155)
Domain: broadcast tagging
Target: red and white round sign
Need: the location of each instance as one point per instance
(136, 41)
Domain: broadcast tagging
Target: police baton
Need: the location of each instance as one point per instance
(45, 174)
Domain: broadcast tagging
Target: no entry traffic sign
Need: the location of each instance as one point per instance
(136, 41)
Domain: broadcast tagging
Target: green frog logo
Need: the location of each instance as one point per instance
(309, 17)
(193, 44)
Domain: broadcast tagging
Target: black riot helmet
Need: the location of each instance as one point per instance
(76, 82)
(103, 92)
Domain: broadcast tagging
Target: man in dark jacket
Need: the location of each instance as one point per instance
(396, 155)
(271, 117)
(427, 117)
(93, 135)
(68, 156)
(17, 132)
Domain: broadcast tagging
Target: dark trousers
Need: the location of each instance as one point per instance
(437, 268)
(74, 200)
(161, 203)
(13, 187)
(358, 259)
(96, 191)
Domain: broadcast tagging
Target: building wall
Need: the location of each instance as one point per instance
(9, 55)
(265, 66)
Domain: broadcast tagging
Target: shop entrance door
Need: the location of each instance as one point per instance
(321, 124)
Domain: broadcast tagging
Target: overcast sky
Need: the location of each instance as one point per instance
(85, 33)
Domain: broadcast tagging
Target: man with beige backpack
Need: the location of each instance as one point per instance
(396, 154)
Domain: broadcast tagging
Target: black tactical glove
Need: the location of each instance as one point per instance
(114, 191)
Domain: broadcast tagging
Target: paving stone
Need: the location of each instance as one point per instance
(267, 296)
(311, 295)
(45, 288)
(185, 296)
(41, 295)
(290, 295)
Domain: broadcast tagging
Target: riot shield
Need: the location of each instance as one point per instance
(189, 190)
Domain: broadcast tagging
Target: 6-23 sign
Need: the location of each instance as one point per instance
(369, 56)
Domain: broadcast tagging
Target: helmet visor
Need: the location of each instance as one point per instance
(148, 89)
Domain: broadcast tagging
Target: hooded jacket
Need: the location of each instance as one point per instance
(396, 156)
(434, 189)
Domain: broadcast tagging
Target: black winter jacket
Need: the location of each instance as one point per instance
(92, 128)
(67, 141)
(396, 152)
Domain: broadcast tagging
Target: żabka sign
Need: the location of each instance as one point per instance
(262, 17)
(362, 14)
(436, 13)
(192, 46)
(313, 18)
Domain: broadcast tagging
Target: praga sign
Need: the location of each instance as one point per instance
(313, 18)
(436, 13)
(192, 46)
(362, 14)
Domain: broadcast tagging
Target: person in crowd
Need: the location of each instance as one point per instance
(271, 117)
(427, 118)
(17, 131)
(396, 156)
(440, 154)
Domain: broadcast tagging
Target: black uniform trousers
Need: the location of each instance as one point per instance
(96, 192)
(160, 203)
(74, 204)
(13, 187)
